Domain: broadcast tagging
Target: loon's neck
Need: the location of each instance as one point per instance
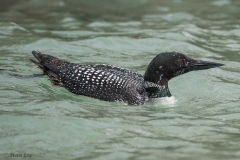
(156, 79)
(157, 90)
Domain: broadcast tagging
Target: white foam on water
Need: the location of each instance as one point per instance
(164, 102)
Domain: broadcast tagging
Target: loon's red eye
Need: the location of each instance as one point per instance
(180, 61)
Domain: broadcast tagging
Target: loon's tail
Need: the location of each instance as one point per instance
(49, 65)
(47, 62)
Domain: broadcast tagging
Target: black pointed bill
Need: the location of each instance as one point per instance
(201, 65)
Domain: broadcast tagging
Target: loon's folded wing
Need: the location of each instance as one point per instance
(110, 85)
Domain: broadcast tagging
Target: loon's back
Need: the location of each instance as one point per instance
(104, 82)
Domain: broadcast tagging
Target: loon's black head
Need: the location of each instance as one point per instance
(171, 64)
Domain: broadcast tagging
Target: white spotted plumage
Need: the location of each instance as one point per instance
(104, 82)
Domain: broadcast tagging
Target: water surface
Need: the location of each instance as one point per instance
(200, 122)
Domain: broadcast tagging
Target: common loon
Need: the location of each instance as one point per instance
(112, 83)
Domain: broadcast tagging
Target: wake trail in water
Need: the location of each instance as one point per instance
(2, 71)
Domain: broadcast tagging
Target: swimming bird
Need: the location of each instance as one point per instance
(112, 83)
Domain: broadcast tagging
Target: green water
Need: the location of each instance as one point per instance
(201, 121)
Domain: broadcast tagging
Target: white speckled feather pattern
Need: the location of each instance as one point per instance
(110, 83)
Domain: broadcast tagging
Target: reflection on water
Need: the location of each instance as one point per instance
(200, 121)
